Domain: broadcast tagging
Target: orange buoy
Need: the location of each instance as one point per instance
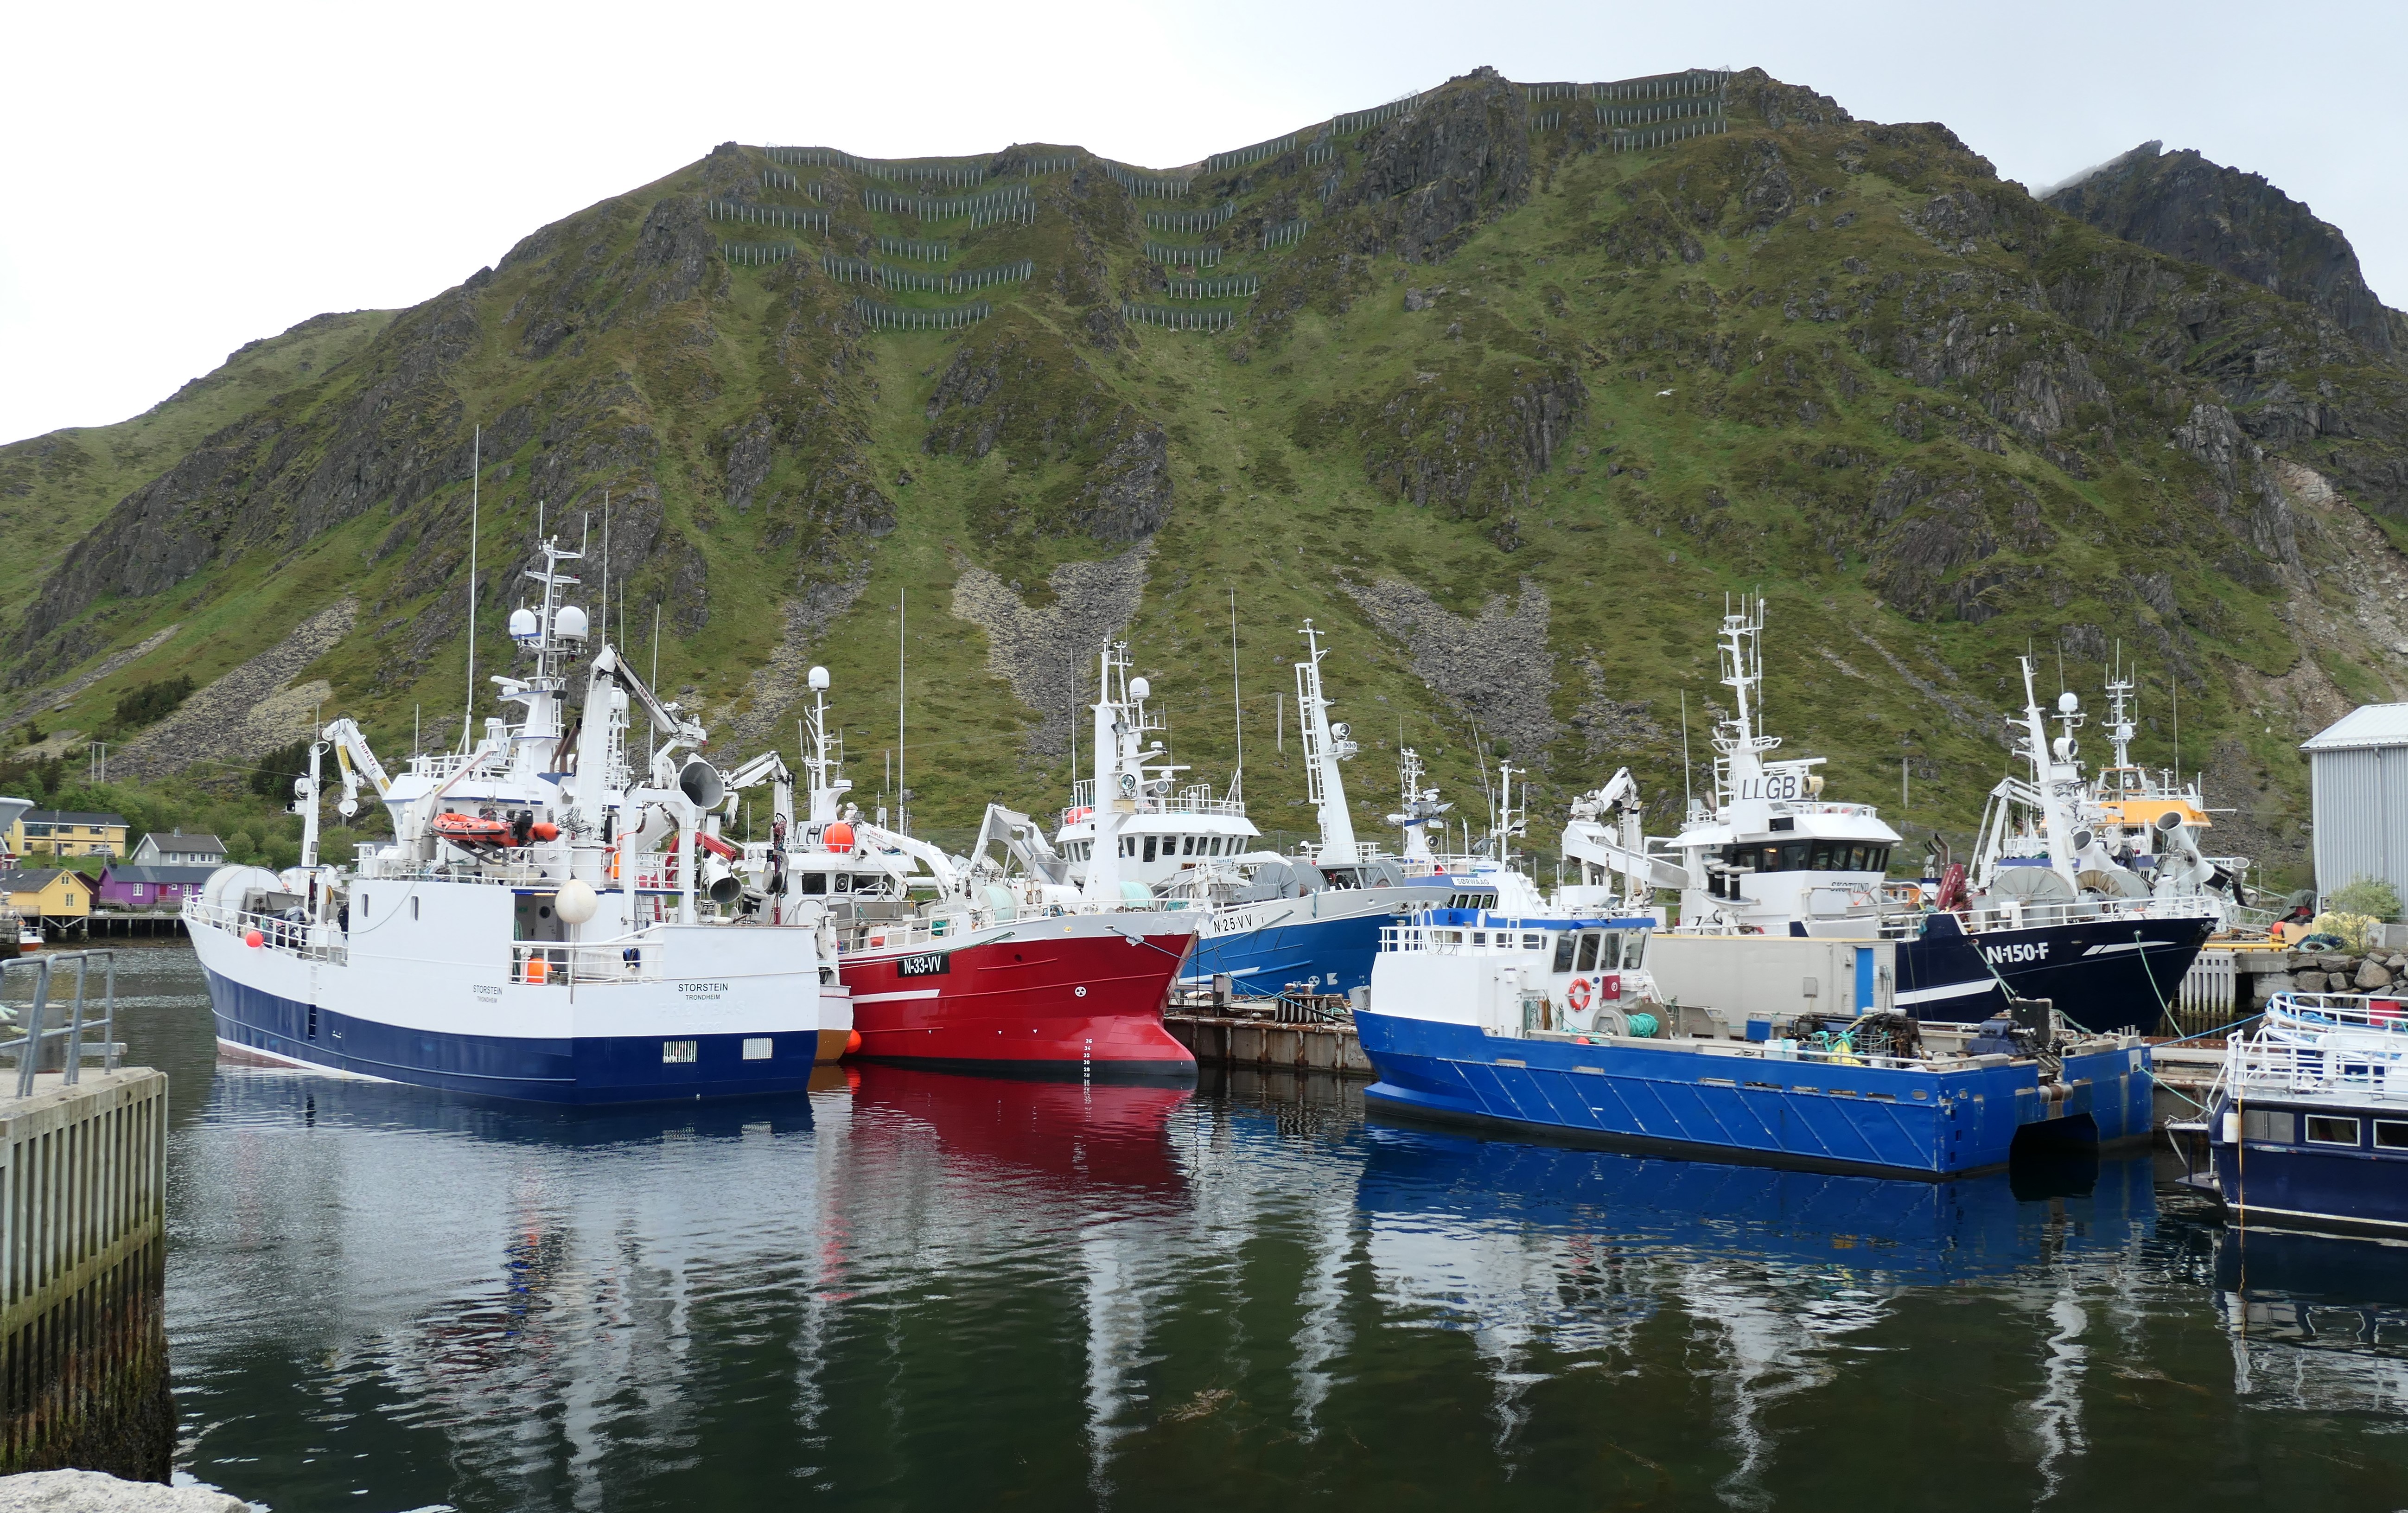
(254, 938)
(544, 829)
(538, 969)
(838, 837)
(852, 1042)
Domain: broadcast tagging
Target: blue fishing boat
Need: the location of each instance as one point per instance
(1554, 1025)
(2307, 1124)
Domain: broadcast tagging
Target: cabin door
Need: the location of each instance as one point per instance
(1864, 979)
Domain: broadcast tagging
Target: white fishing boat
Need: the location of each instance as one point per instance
(1767, 853)
(557, 919)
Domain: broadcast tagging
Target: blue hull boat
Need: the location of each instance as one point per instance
(1937, 1119)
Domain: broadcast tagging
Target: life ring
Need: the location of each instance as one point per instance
(1577, 995)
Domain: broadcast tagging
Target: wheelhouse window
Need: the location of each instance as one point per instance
(815, 882)
(2331, 1130)
(1566, 942)
(1150, 843)
(1588, 943)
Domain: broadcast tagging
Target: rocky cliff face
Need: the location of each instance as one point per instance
(2181, 205)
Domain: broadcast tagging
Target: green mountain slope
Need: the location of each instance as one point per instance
(1515, 384)
(54, 488)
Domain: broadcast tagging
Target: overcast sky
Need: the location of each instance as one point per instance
(179, 180)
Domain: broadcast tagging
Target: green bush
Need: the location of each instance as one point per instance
(2365, 896)
(240, 846)
(277, 770)
(151, 702)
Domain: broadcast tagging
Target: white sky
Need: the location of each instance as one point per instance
(179, 180)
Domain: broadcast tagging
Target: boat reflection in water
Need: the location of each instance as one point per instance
(1063, 1137)
(2318, 1322)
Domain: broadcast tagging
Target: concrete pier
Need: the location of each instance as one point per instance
(83, 1235)
(84, 1336)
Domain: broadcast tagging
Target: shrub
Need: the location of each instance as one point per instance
(278, 770)
(240, 846)
(151, 702)
(2365, 896)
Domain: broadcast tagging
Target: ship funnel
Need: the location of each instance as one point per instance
(699, 781)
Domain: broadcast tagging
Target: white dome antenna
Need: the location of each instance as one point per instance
(568, 622)
(1140, 689)
(819, 678)
(522, 624)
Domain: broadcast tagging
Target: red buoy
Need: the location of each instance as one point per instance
(838, 837)
(852, 1042)
(254, 938)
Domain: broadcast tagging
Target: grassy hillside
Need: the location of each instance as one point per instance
(53, 488)
(1509, 416)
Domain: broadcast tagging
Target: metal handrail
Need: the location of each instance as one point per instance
(28, 1046)
(276, 934)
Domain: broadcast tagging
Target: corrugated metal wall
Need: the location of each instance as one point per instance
(2360, 801)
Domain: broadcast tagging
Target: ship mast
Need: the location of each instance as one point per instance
(1325, 746)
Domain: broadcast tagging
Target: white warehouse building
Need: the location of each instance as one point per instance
(2358, 781)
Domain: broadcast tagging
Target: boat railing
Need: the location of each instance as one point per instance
(890, 934)
(292, 937)
(541, 964)
(1461, 940)
(2293, 1015)
(510, 867)
(2260, 1067)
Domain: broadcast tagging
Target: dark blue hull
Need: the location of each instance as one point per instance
(1821, 1114)
(1338, 952)
(2108, 977)
(587, 1069)
(2276, 1178)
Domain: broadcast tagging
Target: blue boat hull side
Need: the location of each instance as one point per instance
(1821, 1115)
(2335, 1191)
(589, 1070)
(1263, 962)
(2107, 978)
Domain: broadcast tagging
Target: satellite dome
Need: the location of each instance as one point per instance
(569, 622)
(522, 625)
(819, 677)
(2068, 701)
(1140, 688)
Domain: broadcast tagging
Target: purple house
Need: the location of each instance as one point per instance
(125, 885)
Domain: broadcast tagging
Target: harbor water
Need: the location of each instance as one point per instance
(916, 1290)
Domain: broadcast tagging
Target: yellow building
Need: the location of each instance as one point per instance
(47, 893)
(60, 832)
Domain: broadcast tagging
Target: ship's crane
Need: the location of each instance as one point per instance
(1023, 840)
(354, 756)
(1621, 849)
(768, 768)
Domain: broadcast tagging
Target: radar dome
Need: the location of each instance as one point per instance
(1140, 688)
(2068, 701)
(569, 622)
(819, 677)
(522, 624)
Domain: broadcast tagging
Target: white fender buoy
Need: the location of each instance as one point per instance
(577, 902)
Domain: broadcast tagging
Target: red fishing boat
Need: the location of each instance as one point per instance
(970, 967)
